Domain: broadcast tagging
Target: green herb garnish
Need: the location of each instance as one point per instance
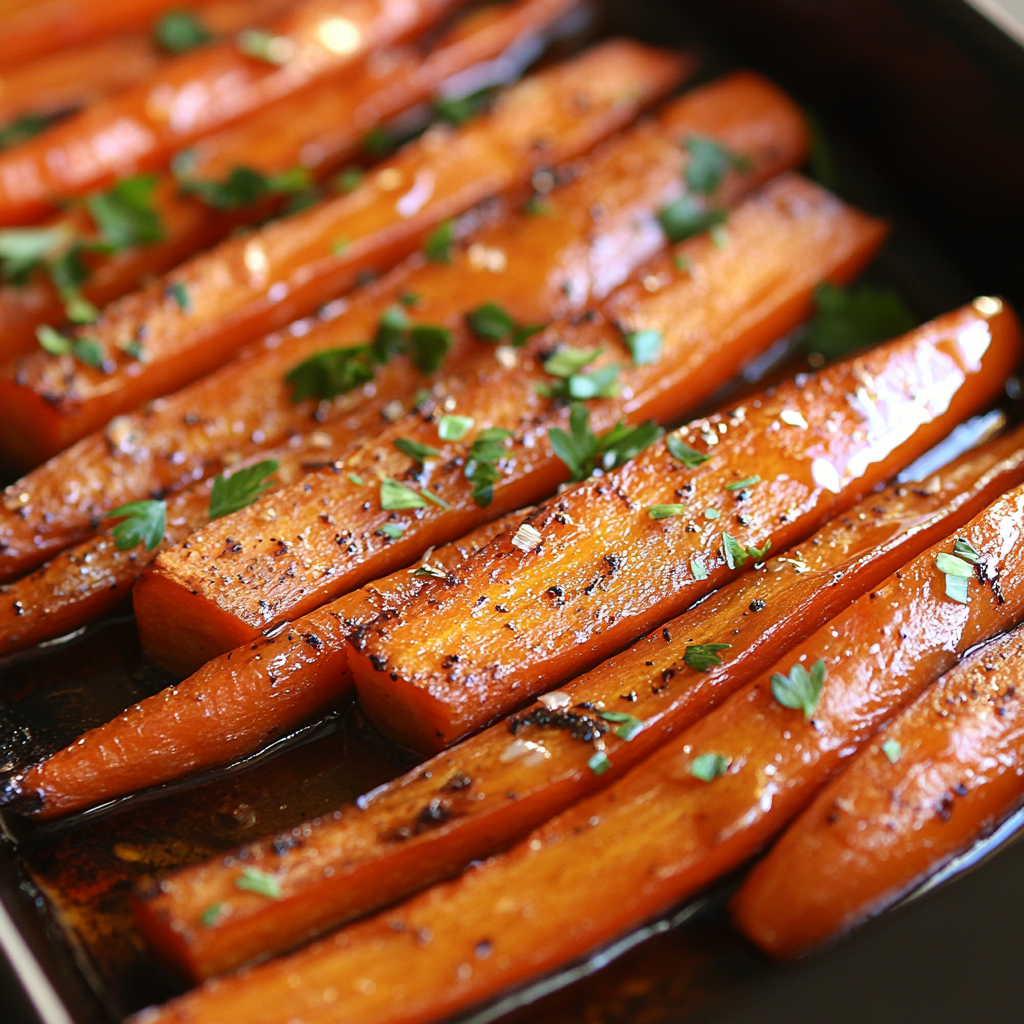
(492, 322)
(263, 45)
(245, 186)
(142, 522)
(233, 493)
(355, 478)
(126, 214)
(349, 180)
(26, 127)
(966, 551)
(86, 350)
(892, 750)
(702, 657)
(254, 880)
(392, 530)
(458, 110)
(850, 320)
(711, 513)
(738, 485)
(957, 573)
(758, 553)
(209, 916)
(415, 450)
(335, 371)
(666, 511)
(454, 428)
(599, 763)
(428, 346)
(582, 451)
(629, 725)
(707, 767)
(481, 469)
(180, 31)
(440, 244)
(395, 496)
(734, 553)
(179, 293)
(682, 452)
(685, 217)
(566, 364)
(644, 346)
(709, 162)
(435, 498)
(391, 337)
(698, 570)
(800, 689)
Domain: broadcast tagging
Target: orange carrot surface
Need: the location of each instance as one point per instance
(248, 404)
(693, 811)
(189, 323)
(491, 789)
(938, 777)
(141, 128)
(311, 132)
(725, 306)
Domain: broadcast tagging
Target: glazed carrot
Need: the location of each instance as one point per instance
(195, 94)
(236, 685)
(249, 402)
(654, 837)
(491, 789)
(942, 774)
(317, 129)
(732, 303)
(254, 283)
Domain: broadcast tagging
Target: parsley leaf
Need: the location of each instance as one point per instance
(800, 689)
(738, 485)
(395, 496)
(702, 657)
(392, 530)
(349, 179)
(390, 338)
(23, 249)
(685, 217)
(957, 572)
(335, 371)
(644, 346)
(680, 450)
(415, 450)
(441, 243)
(734, 553)
(245, 186)
(481, 469)
(458, 110)
(209, 916)
(492, 322)
(233, 493)
(429, 345)
(26, 127)
(599, 763)
(582, 451)
(709, 766)
(666, 511)
(965, 550)
(126, 214)
(142, 522)
(892, 750)
(180, 31)
(709, 162)
(629, 725)
(86, 350)
(849, 320)
(254, 880)
(454, 428)
(698, 570)
(263, 45)
(566, 364)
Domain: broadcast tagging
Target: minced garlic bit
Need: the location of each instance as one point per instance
(526, 538)
(793, 418)
(555, 699)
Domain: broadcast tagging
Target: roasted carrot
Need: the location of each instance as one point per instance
(316, 129)
(235, 685)
(658, 834)
(943, 773)
(196, 318)
(197, 93)
(185, 436)
(486, 792)
(732, 303)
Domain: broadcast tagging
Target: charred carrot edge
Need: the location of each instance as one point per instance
(486, 792)
(318, 128)
(144, 126)
(234, 684)
(737, 300)
(248, 285)
(185, 435)
(938, 777)
(654, 837)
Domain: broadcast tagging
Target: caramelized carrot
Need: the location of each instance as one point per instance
(195, 94)
(236, 717)
(254, 283)
(318, 129)
(654, 837)
(943, 773)
(248, 403)
(486, 792)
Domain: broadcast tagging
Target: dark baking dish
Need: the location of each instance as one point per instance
(923, 104)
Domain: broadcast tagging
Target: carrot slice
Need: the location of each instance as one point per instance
(942, 774)
(489, 790)
(254, 283)
(237, 686)
(248, 404)
(318, 129)
(197, 93)
(731, 305)
(654, 837)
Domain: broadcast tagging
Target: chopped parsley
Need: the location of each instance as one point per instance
(800, 689)
(335, 371)
(582, 451)
(458, 110)
(734, 553)
(599, 763)
(180, 31)
(126, 214)
(708, 163)
(23, 249)
(628, 727)
(428, 346)
(245, 186)
(142, 522)
(481, 469)
(759, 553)
(415, 450)
(738, 485)
(395, 497)
(355, 478)
(233, 493)
(86, 350)
(698, 570)
(440, 244)
(392, 334)
(644, 346)
(392, 530)
(707, 767)
(454, 428)
(26, 127)
(567, 363)
(892, 750)
(210, 915)
(180, 294)
(685, 217)
(683, 453)
(254, 880)
(847, 320)
(262, 45)
(349, 180)
(666, 511)
(966, 551)
(702, 657)
(436, 498)
(711, 513)
(957, 573)
(491, 322)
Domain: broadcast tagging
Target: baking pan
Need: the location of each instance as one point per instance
(922, 107)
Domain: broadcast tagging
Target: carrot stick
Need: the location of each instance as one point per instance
(196, 94)
(475, 798)
(943, 773)
(186, 435)
(317, 129)
(737, 301)
(653, 838)
(197, 317)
